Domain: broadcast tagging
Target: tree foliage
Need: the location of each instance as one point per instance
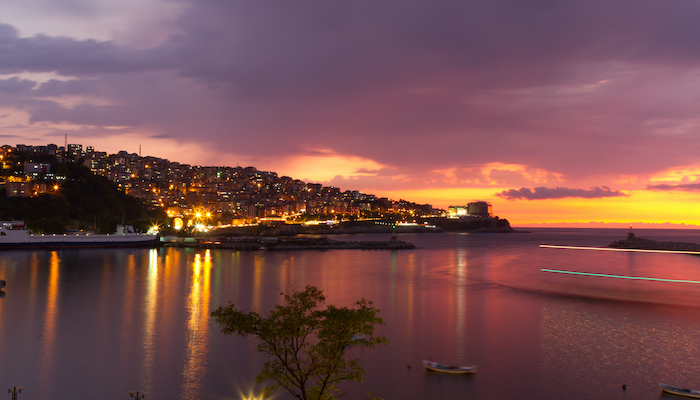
(306, 343)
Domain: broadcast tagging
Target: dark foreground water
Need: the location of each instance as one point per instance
(96, 324)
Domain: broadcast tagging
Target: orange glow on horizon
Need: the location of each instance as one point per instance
(645, 206)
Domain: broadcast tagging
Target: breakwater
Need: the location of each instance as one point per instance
(296, 243)
(633, 242)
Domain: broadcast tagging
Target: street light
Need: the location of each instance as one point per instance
(136, 396)
(15, 391)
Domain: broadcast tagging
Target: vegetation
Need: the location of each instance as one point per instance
(83, 201)
(305, 343)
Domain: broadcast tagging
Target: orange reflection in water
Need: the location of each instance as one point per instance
(34, 285)
(51, 315)
(197, 326)
(149, 326)
(461, 297)
(410, 294)
(257, 282)
(128, 318)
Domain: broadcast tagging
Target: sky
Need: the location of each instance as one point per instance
(572, 112)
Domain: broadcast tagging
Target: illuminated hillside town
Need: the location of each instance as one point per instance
(219, 196)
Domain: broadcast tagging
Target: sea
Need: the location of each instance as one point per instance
(101, 323)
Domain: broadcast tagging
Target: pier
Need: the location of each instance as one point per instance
(292, 243)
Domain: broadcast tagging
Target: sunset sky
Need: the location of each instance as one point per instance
(553, 111)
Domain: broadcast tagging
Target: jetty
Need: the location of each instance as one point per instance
(633, 242)
(288, 243)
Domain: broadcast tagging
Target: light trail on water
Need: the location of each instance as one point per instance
(640, 278)
(555, 246)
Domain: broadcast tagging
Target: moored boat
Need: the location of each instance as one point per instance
(447, 368)
(14, 235)
(680, 391)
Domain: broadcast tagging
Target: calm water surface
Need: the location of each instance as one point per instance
(96, 324)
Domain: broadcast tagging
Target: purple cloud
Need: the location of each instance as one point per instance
(577, 89)
(68, 56)
(542, 193)
(683, 186)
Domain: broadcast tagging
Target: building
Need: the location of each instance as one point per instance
(480, 209)
(457, 211)
(33, 169)
(473, 209)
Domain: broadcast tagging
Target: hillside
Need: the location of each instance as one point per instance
(84, 201)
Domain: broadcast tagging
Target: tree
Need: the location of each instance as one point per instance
(305, 343)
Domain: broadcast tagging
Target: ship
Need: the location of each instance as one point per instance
(15, 235)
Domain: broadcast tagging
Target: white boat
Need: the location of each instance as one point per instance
(14, 235)
(447, 368)
(680, 391)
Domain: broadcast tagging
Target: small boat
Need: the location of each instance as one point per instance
(450, 369)
(680, 391)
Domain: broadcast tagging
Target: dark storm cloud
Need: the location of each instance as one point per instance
(278, 45)
(71, 87)
(15, 86)
(398, 74)
(420, 86)
(68, 56)
(541, 193)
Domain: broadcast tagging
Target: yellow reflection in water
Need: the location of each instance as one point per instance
(33, 285)
(129, 289)
(257, 282)
(48, 334)
(197, 327)
(150, 314)
(461, 287)
(410, 292)
(393, 279)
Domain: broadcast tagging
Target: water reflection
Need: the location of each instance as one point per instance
(410, 287)
(50, 317)
(149, 324)
(126, 319)
(257, 281)
(197, 327)
(582, 345)
(461, 296)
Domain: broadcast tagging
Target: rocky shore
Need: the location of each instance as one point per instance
(633, 242)
(474, 225)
